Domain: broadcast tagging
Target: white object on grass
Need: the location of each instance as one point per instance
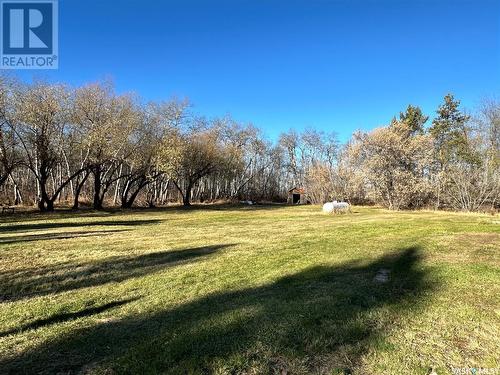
(332, 207)
(328, 207)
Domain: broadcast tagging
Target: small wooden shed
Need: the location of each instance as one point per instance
(296, 196)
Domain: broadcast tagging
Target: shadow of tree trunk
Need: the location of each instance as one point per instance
(320, 320)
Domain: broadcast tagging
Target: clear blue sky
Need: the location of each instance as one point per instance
(333, 65)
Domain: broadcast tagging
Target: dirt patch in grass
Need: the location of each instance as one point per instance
(479, 238)
(468, 248)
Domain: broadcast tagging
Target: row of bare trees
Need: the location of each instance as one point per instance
(89, 145)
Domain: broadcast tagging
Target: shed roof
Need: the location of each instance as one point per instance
(297, 190)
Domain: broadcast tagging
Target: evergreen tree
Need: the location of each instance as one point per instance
(412, 120)
(450, 133)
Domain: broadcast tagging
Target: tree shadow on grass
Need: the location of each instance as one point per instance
(56, 236)
(38, 281)
(319, 320)
(20, 216)
(26, 227)
(228, 207)
(64, 317)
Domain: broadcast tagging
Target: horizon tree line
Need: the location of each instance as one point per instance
(68, 146)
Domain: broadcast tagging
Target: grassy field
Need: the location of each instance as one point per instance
(254, 290)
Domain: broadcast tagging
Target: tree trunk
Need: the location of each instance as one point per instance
(117, 187)
(78, 189)
(130, 202)
(124, 195)
(97, 204)
(44, 203)
(186, 199)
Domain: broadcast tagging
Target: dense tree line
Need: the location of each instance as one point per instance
(89, 145)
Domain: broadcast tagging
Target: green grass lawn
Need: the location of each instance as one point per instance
(254, 290)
